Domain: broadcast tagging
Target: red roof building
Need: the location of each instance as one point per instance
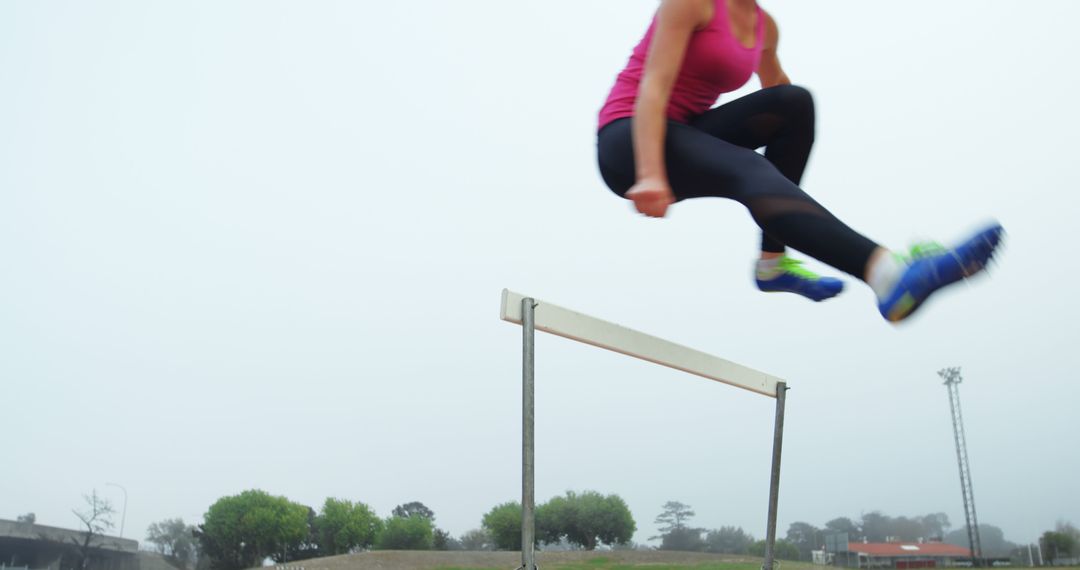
(902, 555)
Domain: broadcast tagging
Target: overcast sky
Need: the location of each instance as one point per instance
(260, 244)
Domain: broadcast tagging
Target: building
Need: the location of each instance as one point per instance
(901, 555)
(38, 547)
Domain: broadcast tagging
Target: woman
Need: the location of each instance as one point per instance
(659, 142)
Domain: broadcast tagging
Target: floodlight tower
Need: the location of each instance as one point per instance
(952, 382)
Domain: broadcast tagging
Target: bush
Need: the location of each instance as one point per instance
(503, 524)
(728, 540)
(683, 539)
(784, 550)
(477, 539)
(585, 519)
(406, 533)
(242, 530)
(344, 526)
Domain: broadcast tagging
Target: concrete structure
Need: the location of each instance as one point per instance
(902, 555)
(40, 547)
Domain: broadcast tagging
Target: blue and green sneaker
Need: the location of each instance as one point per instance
(791, 277)
(932, 267)
(923, 249)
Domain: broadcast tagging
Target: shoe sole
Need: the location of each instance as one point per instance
(804, 294)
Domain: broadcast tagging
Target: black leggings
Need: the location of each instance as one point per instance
(714, 156)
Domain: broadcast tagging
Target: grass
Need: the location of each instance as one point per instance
(608, 564)
(577, 560)
(591, 565)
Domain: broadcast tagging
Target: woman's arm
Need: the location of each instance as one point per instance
(769, 71)
(676, 21)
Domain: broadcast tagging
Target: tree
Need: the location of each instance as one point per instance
(476, 539)
(585, 519)
(97, 518)
(935, 525)
(806, 537)
(414, 509)
(241, 531)
(344, 526)
(28, 518)
(1057, 545)
(674, 516)
(682, 539)
(907, 529)
(503, 524)
(1067, 527)
(675, 534)
(844, 525)
(444, 541)
(728, 540)
(406, 533)
(1062, 526)
(991, 538)
(174, 540)
(309, 547)
(782, 550)
(878, 527)
(875, 526)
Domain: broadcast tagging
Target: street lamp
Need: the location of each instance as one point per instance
(123, 516)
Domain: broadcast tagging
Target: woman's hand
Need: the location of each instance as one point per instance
(651, 196)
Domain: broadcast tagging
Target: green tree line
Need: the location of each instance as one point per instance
(585, 520)
(1062, 543)
(241, 531)
(676, 533)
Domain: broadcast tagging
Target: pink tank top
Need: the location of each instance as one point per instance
(715, 63)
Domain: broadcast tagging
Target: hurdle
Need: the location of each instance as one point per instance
(535, 315)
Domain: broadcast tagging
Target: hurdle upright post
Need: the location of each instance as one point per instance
(528, 447)
(774, 481)
(535, 315)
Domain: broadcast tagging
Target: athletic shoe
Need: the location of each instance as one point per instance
(793, 278)
(930, 269)
(922, 249)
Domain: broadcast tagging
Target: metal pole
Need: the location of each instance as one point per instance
(123, 516)
(774, 483)
(953, 379)
(528, 529)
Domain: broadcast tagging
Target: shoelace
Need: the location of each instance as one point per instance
(923, 249)
(794, 267)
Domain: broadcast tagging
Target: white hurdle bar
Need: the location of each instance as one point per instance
(535, 315)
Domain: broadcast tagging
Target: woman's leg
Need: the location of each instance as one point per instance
(779, 118)
(700, 165)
